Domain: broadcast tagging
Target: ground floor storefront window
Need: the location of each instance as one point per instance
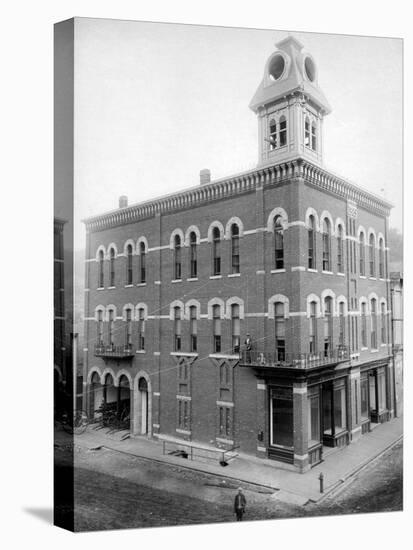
(281, 417)
(313, 416)
(374, 406)
(334, 407)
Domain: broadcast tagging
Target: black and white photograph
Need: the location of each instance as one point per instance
(228, 299)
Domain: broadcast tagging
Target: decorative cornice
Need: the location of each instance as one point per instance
(240, 184)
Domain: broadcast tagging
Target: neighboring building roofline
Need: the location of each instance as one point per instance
(237, 184)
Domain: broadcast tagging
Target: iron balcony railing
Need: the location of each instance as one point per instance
(118, 352)
(295, 360)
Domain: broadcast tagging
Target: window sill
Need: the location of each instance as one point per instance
(372, 279)
(129, 286)
(140, 351)
(374, 351)
(234, 275)
(176, 281)
(327, 272)
(278, 270)
(141, 284)
(364, 349)
(341, 274)
(362, 277)
(100, 288)
(311, 270)
(223, 439)
(185, 353)
(215, 277)
(183, 432)
(382, 280)
(223, 356)
(192, 279)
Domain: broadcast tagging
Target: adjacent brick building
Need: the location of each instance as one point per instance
(288, 256)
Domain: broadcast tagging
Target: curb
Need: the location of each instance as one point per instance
(343, 482)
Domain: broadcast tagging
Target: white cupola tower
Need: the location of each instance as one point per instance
(290, 106)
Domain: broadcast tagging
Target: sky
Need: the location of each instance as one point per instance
(156, 103)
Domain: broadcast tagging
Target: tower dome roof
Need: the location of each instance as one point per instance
(288, 70)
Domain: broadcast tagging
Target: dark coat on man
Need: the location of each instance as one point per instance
(239, 504)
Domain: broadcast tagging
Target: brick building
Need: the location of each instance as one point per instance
(288, 255)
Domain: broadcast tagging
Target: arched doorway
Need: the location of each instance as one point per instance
(96, 395)
(124, 402)
(144, 412)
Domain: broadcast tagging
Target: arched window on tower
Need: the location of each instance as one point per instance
(362, 249)
(142, 263)
(177, 258)
(283, 131)
(311, 242)
(216, 251)
(273, 134)
(193, 267)
(326, 245)
(278, 243)
(129, 265)
(381, 259)
(307, 132)
(234, 248)
(101, 281)
(372, 255)
(314, 136)
(112, 267)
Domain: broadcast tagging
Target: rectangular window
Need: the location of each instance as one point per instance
(225, 421)
(313, 420)
(128, 336)
(142, 260)
(363, 326)
(383, 324)
(216, 321)
(183, 414)
(364, 398)
(100, 328)
(311, 249)
(342, 324)
(193, 261)
(313, 138)
(193, 328)
(373, 325)
(307, 133)
(283, 132)
(177, 329)
(279, 331)
(328, 326)
(340, 254)
(282, 432)
(110, 327)
(235, 254)
(372, 392)
(313, 328)
(235, 328)
(340, 423)
(381, 390)
(141, 329)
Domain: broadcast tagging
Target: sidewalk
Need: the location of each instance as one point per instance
(290, 486)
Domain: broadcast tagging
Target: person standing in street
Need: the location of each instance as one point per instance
(239, 504)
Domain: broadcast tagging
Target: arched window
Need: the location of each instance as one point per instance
(278, 243)
(177, 257)
(193, 329)
(193, 264)
(177, 328)
(111, 327)
(364, 325)
(273, 134)
(128, 331)
(283, 131)
(307, 132)
(341, 325)
(311, 242)
(373, 311)
(234, 248)
(362, 248)
(383, 323)
(313, 136)
(142, 263)
(129, 265)
(372, 255)
(313, 327)
(381, 259)
(340, 264)
(279, 331)
(326, 245)
(328, 326)
(112, 267)
(100, 328)
(235, 328)
(216, 319)
(141, 329)
(101, 281)
(216, 251)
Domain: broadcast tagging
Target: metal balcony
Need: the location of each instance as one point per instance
(264, 359)
(115, 352)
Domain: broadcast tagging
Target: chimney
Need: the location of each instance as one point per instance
(123, 201)
(205, 176)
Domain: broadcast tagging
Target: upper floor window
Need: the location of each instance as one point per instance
(193, 263)
(111, 327)
(311, 242)
(234, 248)
(342, 324)
(177, 257)
(340, 265)
(313, 327)
(381, 259)
(216, 320)
(112, 267)
(235, 328)
(216, 251)
(372, 255)
(177, 328)
(128, 332)
(193, 329)
(362, 248)
(100, 328)
(279, 331)
(283, 131)
(383, 323)
(364, 325)
(313, 137)
(307, 133)
(101, 270)
(328, 326)
(141, 329)
(142, 263)
(326, 245)
(129, 265)
(278, 243)
(273, 134)
(373, 310)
